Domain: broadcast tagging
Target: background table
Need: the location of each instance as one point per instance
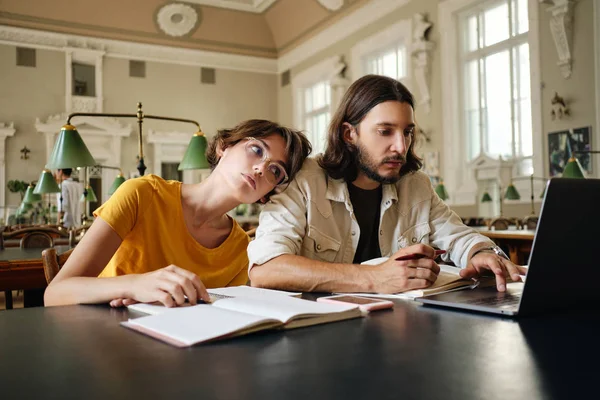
(517, 242)
(22, 269)
(411, 352)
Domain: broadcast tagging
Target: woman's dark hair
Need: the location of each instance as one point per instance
(297, 146)
(340, 160)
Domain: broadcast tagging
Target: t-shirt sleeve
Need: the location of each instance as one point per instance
(127, 205)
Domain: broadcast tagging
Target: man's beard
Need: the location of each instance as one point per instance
(370, 167)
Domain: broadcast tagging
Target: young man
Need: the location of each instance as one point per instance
(69, 200)
(365, 198)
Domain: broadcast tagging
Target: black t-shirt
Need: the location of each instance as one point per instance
(366, 204)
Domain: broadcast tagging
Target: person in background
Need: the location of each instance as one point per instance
(365, 198)
(69, 199)
(165, 241)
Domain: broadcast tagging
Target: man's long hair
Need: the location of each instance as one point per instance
(340, 159)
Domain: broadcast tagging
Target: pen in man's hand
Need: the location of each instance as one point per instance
(414, 256)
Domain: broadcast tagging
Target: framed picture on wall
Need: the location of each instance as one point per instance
(563, 144)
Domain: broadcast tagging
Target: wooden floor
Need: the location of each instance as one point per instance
(17, 300)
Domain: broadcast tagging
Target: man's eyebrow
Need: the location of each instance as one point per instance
(389, 124)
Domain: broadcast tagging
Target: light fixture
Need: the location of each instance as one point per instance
(31, 197)
(573, 169)
(512, 193)
(530, 220)
(440, 190)
(89, 195)
(486, 198)
(70, 150)
(46, 185)
(119, 180)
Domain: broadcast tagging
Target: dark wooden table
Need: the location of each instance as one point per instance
(22, 269)
(411, 352)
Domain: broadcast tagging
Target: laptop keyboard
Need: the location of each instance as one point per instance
(508, 300)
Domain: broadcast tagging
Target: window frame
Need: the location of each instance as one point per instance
(458, 171)
(395, 35)
(308, 78)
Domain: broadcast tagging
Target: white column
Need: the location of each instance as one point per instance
(6, 130)
(68, 81)
(99, 85)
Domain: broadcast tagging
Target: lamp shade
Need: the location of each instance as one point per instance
(31, 197)
(116, 183)
(573, 169)
(46, 183)
(440, 189)
(69, 150)
(195, 155)
(512, 193)
(89, 195)
(24, 207)
(486, 198)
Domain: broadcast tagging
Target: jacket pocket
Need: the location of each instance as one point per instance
(320, 246)
(414, 235)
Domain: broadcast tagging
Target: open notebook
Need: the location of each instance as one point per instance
(217, 294)
(235, 316)
(448, 280)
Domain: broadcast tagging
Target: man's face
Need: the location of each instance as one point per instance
(383, 139)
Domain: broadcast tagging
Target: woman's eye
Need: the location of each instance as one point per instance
(275, 171)
(384, 132)
(257, 150)
(409, 132)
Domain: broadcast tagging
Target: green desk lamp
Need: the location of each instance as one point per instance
(195, 155)
(440, 190)
(46, 185)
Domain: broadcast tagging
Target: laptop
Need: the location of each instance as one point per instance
(564, 264)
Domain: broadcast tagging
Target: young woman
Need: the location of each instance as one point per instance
(157, 240)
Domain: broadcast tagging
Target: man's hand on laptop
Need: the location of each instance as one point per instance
(502, 268)
(417, 270)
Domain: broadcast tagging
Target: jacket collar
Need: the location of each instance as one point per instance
(337, 190)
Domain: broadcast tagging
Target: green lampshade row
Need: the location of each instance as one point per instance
(70, 151)
(512, 193)
(195, 155)
(24, 207)
(46, 184)
(31, 197)
(440, 189)
(486, 198)
(90, 197)
(573, 169)
(116, 183)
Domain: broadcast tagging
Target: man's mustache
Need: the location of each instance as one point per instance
(398, 158)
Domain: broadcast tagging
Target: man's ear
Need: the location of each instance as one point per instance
(349, 133)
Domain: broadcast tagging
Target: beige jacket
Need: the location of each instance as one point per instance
(314, 218)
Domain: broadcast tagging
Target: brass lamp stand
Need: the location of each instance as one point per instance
(140, 116)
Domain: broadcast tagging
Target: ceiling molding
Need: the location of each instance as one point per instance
(135, 51)
(253, 6)
(340, 30)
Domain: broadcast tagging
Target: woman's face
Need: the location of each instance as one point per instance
(254, 166)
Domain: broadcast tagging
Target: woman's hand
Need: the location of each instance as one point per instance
(169, 286)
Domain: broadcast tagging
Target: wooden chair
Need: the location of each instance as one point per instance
(33, 240)
(53, 262)
(12, 238)
(530, 222)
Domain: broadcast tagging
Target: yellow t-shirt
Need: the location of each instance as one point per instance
(147, 215)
